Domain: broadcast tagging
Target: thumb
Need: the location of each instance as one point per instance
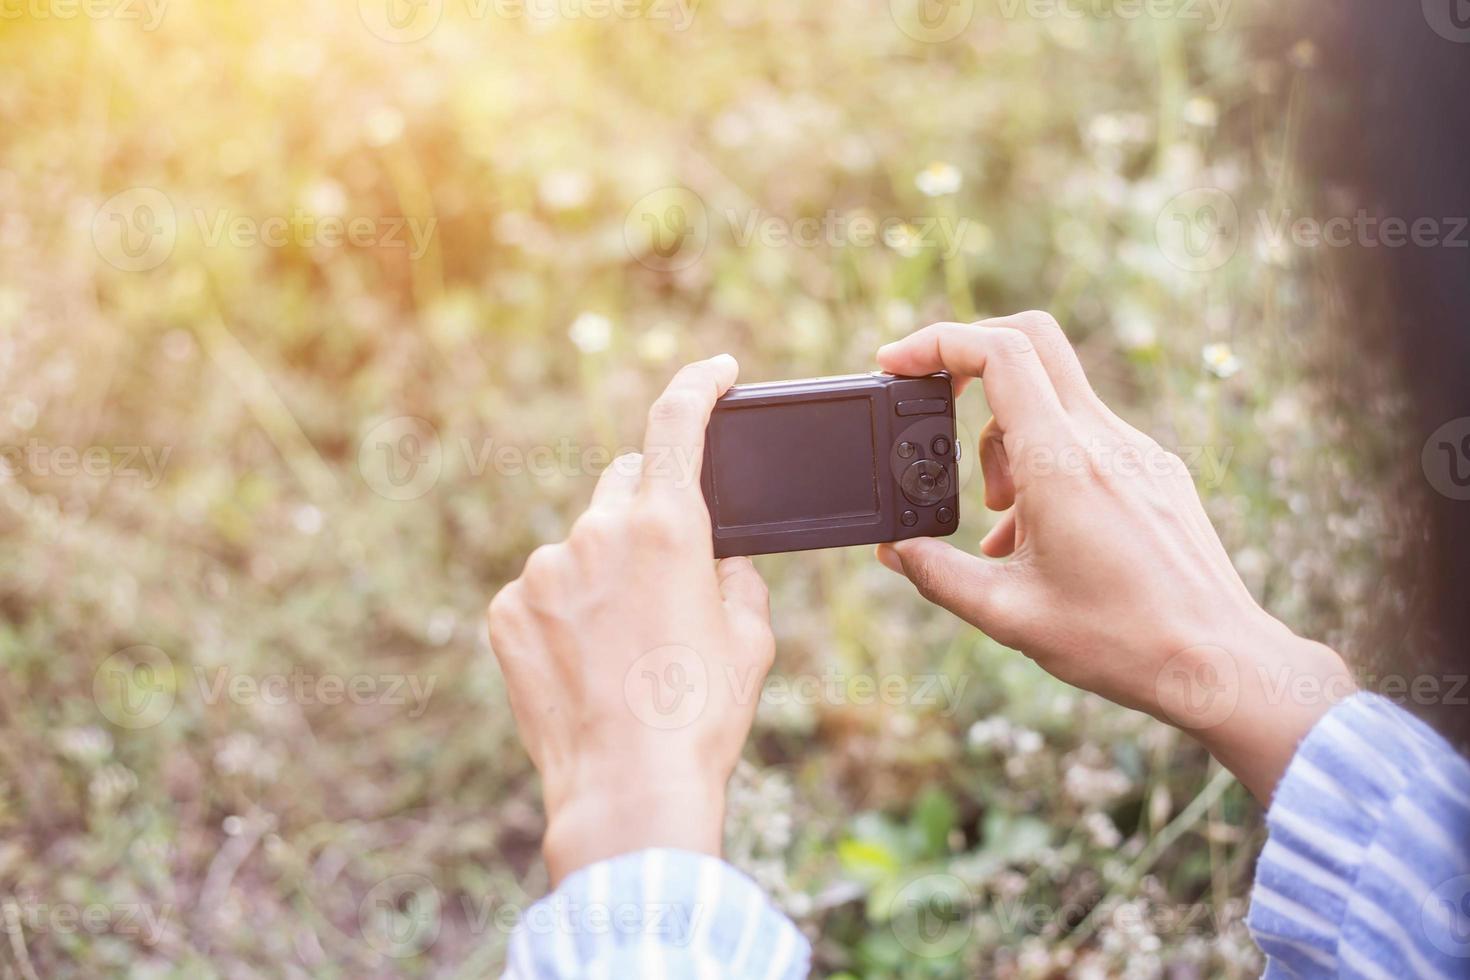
(972, 588)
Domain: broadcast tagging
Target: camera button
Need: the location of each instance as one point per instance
(906, 450)
(945, 515)
(909, 518)
(922, 406)
(925, 483)
(940, 446)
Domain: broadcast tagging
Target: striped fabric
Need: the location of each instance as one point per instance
(1366, 872)
(657, 915)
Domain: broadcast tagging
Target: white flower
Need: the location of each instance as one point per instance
(1200, 111)
(564, 190)
(384, 124)
(1220, 360)
(1100, 828)
(591, 332)
(938, 179)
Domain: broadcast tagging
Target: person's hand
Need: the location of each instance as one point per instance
(1116, 581)
(619, 645)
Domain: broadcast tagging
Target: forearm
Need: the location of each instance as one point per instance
(1275, 686)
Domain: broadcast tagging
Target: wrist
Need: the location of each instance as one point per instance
(1271, 687)
(592, 826)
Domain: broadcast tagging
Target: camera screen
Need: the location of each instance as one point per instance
(794, 461)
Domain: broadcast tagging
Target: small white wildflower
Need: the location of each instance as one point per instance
(564, 190)
(1101, 830)
(440, 629)
(591, 332)
(1027, 741)
(307, 519)
(23, 413)
(988, 732)
(938, 179)
(383, 125)
(90, 744)
(1201, 111)
(657, 344)
(1220, 360)
(325, 197)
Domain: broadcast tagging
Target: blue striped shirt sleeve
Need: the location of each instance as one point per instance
(1366, 870)
(657, 914)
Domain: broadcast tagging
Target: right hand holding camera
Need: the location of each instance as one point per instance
(1115, 581)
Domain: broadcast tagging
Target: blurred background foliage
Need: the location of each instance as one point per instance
(584, 190)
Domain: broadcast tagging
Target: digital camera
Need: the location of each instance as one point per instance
(831, 462)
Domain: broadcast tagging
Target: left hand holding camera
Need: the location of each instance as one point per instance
(626, 648)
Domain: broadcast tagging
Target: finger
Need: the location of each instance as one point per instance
(1057, 355)
(1000, 541)
(995, 466)
(618, 483)
(970, 587)
(673, 445)
(1016, 385)
(745, 594)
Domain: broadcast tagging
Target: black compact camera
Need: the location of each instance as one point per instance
(830, 462)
